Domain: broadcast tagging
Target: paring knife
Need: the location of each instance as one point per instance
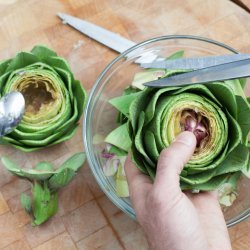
(149, 59)
(226, 71)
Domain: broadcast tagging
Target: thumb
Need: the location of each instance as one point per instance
(172, 161)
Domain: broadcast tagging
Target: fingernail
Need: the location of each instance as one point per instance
(187, 138)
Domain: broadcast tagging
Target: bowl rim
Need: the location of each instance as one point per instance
(87, 116)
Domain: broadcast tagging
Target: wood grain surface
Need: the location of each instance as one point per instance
(86, 218)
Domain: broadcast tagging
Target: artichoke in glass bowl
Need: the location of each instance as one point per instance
(54, 99)
(217, 113)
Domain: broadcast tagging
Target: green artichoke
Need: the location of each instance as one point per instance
(54, 99)
(217, 113)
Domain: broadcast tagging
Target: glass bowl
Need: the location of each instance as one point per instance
(100, 116)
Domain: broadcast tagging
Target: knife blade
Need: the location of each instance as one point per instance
(106, 37)
(226, 71)
(147, 59)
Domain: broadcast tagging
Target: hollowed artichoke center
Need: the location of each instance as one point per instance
(36, 95)
(198, 124)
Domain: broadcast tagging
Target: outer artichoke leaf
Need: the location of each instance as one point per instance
(150, 145)
(122, 103)
(120, 137)
(139, 140)
(200, 90)
(176, 55)
(244, 117)
(3, 80)
(21, 60)
(246, 169)
(137, 159)
(71, 132)
(199, 178)
(138, 105)
(150, 110)
(67, 79)
(243, 82)
(155, 125)
(237, 160)
(224, 93)
(58, 62)
(42, 52)
(210, 185)
(234, 133)
(151, 171)
(80, 96)
(47, 140)
(74, 162)
(9, 140)
(3, 66)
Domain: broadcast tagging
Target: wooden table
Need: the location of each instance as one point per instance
(86, 218)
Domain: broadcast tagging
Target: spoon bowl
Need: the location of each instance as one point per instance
(12, 107)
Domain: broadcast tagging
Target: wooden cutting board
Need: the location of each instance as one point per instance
(86, 218)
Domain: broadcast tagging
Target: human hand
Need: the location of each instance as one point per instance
(171, 218)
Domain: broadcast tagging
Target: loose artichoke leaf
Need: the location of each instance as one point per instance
(44, 166)
(35, 174)
(224, 93)
(227, 191)
(236, 161)
(243, 82)
(74, 162)
(61, 178)
(21, 60)
(42, 52)
(147, 76)
(122, 103)
(121, 183)
(11, 166)
(117, 151)
(26, 203)
(176, 55)
(150, 145)
(119, 137)
(45, 204)
(139, 140)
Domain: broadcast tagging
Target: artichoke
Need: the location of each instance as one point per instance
(217, 113)
(54, 99)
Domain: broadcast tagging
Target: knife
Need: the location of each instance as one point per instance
(149, 59)
(226, 71)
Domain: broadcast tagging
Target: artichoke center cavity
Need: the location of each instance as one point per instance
(36, 95)
(198, 124)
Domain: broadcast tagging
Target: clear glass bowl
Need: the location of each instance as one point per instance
(100, 116)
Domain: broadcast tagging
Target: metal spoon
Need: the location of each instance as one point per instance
(12, 107)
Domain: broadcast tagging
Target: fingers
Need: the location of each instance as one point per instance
(138, 183)
(172, 161)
